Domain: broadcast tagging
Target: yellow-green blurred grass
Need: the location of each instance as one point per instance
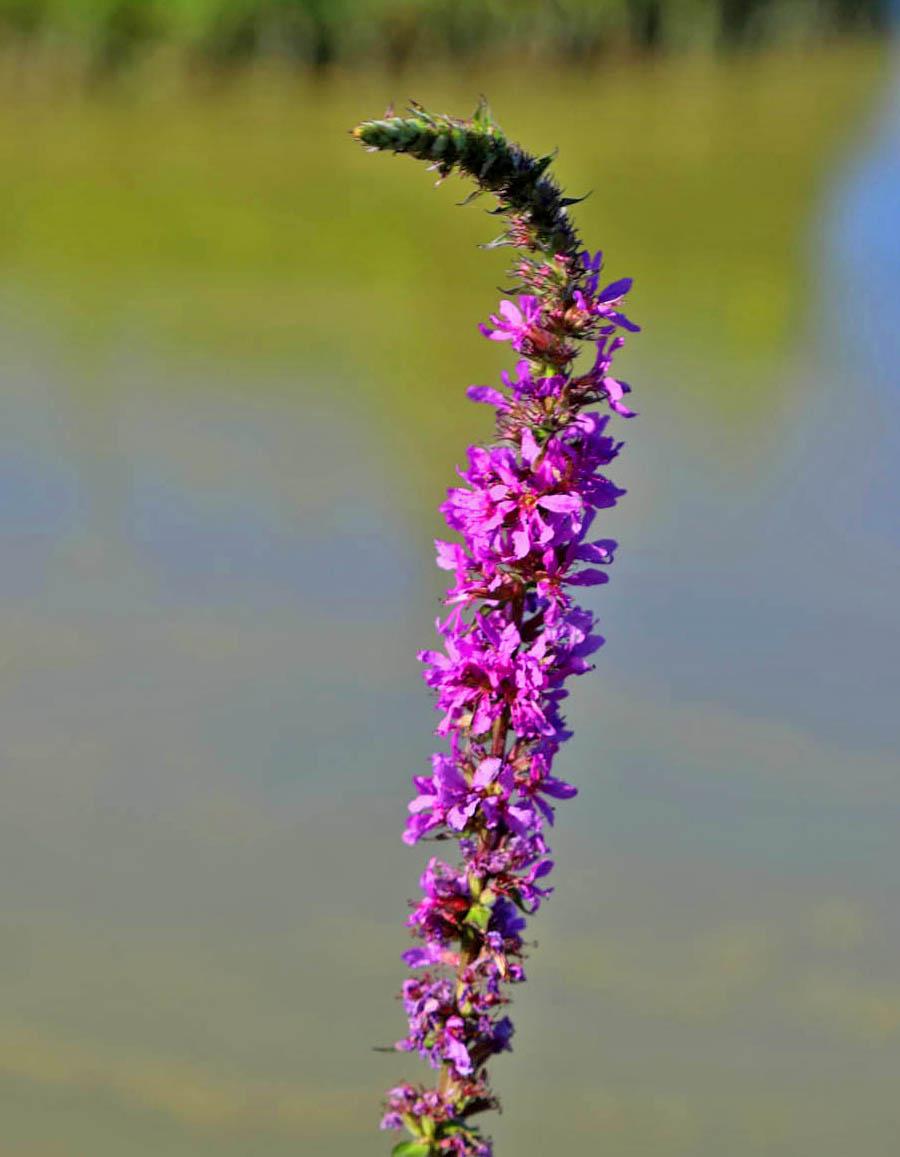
(240, 222)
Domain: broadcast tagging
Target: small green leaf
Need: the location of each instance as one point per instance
(478, 917)
(411, 1149)
(482, 115)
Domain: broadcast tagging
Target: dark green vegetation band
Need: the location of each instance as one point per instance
(107, 35)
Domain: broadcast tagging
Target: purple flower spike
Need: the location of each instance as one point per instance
(522, 544)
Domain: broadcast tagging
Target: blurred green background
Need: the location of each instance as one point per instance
(104, 36)
(233, 351)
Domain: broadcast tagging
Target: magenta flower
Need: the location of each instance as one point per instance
(612, 388)
(514, 323)
(539, 782)
(515, 506)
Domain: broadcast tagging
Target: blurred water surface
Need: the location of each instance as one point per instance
(234, 352)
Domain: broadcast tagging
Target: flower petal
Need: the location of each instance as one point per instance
(560, 503)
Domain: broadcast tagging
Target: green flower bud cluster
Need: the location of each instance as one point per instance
(479, 149)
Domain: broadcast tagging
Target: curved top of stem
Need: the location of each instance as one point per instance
(530, 198)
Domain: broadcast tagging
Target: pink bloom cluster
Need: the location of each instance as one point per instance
(512, 637)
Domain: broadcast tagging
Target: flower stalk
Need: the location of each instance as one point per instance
(513, 634)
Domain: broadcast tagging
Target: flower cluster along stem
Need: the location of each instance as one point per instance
(513, 634)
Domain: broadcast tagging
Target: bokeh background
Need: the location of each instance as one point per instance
(233, 353)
